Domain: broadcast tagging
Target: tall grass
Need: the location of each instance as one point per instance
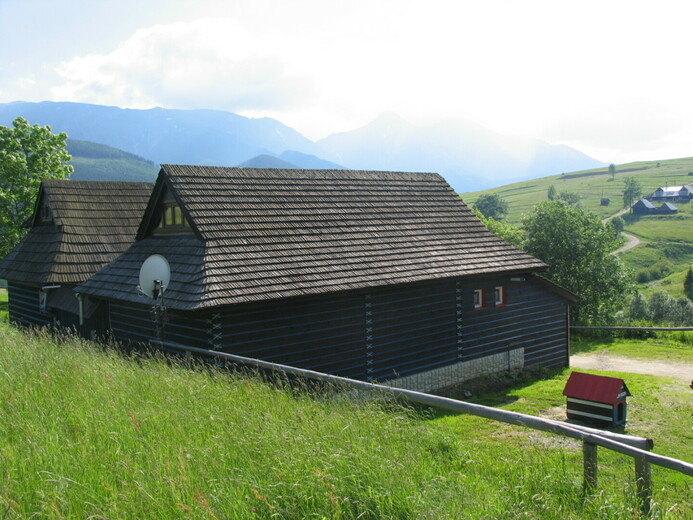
(3, 306)
(87, 432)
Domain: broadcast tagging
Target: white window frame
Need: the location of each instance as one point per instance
(478, 299)
(501, 295)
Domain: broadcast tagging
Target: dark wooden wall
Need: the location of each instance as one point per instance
(139, 324)
(23, 304)
(371, 335)
(533, 318)
(323, 334)
(401, 330)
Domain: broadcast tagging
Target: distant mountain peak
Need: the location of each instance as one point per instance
(468, 155)
(267, 161)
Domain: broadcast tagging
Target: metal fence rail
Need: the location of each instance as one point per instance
(635, 447)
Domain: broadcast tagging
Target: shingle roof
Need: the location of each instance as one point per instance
(646, 203)
(93, 222)
(270, 233)
(674, 191)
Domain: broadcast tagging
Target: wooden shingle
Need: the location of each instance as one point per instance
(261, 234)
(92, 223)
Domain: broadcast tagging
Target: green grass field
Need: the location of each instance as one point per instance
(3, 305)
(669, 346)
(89, 433)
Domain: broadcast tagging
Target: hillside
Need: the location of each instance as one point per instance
(667, 241)
(97, 434)
(98, 162)
(206, 137)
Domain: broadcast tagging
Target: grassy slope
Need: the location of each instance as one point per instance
(592, 185)
(93, 161)
(94, 169)
(89, 433)
(668, 240)
(3, 305)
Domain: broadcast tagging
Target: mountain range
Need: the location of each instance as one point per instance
(469, 156)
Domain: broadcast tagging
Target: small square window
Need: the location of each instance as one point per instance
(478, 298)
(501, 295)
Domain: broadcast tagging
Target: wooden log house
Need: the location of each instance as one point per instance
(77, 228)
(370, 275)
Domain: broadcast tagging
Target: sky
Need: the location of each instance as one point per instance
(610, 78)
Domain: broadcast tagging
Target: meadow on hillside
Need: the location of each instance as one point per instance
(89, 432)
(592, 186)
(666, 251)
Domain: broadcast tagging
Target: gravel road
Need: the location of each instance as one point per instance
(683, 371)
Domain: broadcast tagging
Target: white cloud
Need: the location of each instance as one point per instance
(206, 63)
(608, 77)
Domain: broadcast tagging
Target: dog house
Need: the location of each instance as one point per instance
(596, 399)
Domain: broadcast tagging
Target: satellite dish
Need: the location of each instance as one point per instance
(155, 274)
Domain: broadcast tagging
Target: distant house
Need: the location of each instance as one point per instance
(643, 207)
(667, 209)
(76, 229)
(604, 201)
(371, 275)
(673, 194)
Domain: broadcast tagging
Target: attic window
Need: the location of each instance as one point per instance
(46, 214)
(172, 219)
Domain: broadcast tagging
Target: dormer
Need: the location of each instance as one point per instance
(167, 213)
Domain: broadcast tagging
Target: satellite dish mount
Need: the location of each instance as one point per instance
(155, 274)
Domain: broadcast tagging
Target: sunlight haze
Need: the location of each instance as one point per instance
(608, 78)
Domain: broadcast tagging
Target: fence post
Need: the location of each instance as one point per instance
(589, 454)
(643, 484)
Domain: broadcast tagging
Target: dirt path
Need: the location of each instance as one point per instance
(683, 371)
(631, 242)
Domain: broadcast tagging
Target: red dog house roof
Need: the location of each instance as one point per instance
(590, 387)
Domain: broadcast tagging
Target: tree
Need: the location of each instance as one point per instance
(570, 198)
(661, 309)
(552, 194)
(577, 247)
(632, 191)
(503, 230)
(688, 284)
(492, 205)
(612, 170)
(28, 154)
(638, 308)
(618, 225)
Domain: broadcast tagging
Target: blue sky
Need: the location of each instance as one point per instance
(611, 78)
